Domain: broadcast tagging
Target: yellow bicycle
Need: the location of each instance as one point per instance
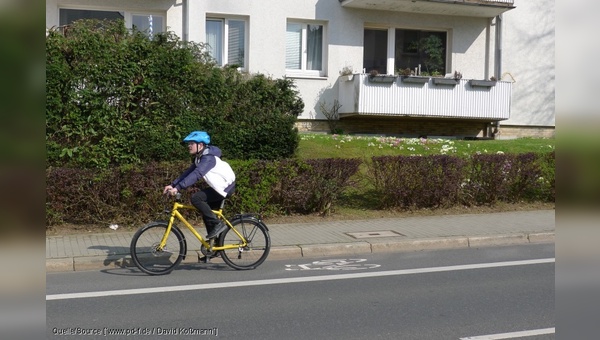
(245, 244)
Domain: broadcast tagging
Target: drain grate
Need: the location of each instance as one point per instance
(373, 234)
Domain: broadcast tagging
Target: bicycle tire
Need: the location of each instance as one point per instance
(147, 258)
(257, 250)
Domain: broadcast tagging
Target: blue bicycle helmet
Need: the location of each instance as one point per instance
(198, 137)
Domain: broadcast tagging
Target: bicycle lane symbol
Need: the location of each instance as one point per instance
(335, 264)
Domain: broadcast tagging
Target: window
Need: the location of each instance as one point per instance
(149, 23)
(411, 49)
(375, 51)
(414, 48)
(68, 16)
(226, 39)
(304, 49)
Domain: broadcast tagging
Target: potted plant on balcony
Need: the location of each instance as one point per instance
(346, 73)
(375, 77)
(408, 76)
(448, 81)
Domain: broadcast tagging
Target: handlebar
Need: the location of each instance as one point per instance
(177, 197)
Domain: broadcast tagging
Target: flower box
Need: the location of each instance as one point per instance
(415, 79)
(445, 81)
(383, 78)
(482, 83)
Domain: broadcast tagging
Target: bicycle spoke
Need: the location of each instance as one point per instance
(146, 254)
(257, 246)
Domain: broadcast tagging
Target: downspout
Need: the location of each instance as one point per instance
(497, 66)
(486, 66)
(185, 20)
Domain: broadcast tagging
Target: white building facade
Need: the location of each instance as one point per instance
(503, 50)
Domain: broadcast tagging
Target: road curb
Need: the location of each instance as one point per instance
(100, 262)
(497, 240)
(315, 250)
(421, 244)
(541, 237)
(59, 265)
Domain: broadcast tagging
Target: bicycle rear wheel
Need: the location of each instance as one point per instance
(254, 253)
(151, 260)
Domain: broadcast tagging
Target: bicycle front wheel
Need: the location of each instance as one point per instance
(254, 252)
(146, 254)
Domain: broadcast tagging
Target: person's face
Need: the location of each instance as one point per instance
(194, 147)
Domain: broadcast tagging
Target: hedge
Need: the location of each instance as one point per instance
(132, 194)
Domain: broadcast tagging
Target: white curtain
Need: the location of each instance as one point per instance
(214, 38)
(314, 42)
(151, 24)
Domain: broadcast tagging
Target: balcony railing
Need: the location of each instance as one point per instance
(465, 99)
(474, 8)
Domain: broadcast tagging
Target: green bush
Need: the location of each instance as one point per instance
(115, 96)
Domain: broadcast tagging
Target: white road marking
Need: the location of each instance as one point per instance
(292, 280)
(335, 264)
(511, 335)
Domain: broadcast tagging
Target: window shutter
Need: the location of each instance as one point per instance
(293, 43)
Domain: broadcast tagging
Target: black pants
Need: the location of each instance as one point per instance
(205, 201)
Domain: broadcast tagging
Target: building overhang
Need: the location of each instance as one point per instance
(468, 8)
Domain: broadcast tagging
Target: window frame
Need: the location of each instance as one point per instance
(132, 14)
(391, 50)
(127, 15)
(304, 71)
(225, 37)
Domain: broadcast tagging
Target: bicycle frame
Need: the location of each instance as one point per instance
(219, 213)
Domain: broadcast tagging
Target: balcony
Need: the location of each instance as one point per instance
(470, 8)
(463, 99)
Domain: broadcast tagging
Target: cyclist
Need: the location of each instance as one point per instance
(216, 173)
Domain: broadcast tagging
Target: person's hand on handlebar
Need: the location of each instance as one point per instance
(170, 190)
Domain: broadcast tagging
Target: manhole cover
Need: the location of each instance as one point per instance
(373, 234)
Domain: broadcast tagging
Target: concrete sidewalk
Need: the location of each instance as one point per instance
(111, 249)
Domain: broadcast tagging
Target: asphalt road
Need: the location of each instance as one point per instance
(449, 294)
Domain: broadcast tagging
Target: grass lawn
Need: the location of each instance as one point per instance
(346, 146)
(360, 202)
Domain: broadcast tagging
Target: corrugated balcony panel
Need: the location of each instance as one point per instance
(362, 97)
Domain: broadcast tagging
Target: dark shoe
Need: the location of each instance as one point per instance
(219, 228)
(206, 258)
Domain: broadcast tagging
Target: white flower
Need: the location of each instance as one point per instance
(114, 226)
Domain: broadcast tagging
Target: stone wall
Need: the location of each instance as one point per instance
(513, 131)
(403, 127)
(414, 127)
